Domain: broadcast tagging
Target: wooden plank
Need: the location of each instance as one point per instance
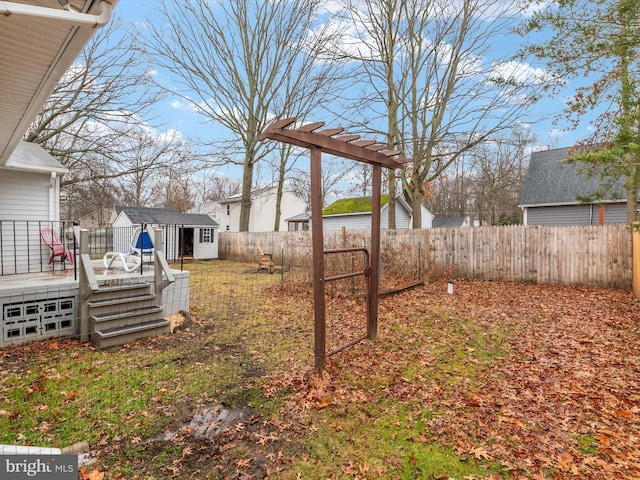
(347, 138)
(328, 132)
(310, 127)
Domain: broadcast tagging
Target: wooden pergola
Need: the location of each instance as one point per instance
(347, 146)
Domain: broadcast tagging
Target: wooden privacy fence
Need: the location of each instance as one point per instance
(596, 256)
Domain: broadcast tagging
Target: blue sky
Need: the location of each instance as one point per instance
(191, 125)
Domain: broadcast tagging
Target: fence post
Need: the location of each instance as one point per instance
(635, 262)
(426, 255)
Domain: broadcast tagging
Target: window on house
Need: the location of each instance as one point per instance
(206, 235)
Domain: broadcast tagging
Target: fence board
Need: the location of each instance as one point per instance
(598, 256)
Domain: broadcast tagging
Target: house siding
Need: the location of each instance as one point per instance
(26, 201)
(205, 251)
(403, 218)
(362, 221)
(263, 212)
(17, 204)
(576, 214)
(350, 222)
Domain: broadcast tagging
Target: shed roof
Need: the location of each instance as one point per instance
(448, 221)
(552, 181)
(301, 217)
(166, 216)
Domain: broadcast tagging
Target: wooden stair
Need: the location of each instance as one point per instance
(125, 312)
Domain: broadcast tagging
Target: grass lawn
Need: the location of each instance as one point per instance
(496, 381)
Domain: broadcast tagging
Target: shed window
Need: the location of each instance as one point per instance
(206, 235)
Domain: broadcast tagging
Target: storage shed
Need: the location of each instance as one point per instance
(185, 234)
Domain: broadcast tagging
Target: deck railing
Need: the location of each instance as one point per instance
(23, 251)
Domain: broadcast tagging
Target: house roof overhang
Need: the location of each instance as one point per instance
(39, 40)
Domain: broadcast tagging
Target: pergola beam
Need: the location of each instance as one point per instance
(355, 150)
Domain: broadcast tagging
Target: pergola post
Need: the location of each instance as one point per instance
(374, 274)
(317, 240)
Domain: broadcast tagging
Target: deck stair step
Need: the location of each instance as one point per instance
(121, 300)
(128, 333)
(121, 289)
(124, 312)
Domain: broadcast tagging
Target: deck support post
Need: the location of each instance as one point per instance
(157, 268)
(84, 287)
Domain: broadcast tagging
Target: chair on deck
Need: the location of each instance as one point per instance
(58, 249)
(140, 251)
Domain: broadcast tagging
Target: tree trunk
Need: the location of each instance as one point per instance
(392, 200)
(276, 226)
(245, 202)
(416, 207)
(632, 205)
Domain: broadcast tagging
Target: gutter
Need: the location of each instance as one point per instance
(80, 19)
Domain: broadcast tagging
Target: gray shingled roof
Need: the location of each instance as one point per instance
(31, 156)
(447, 222)
(166, 216)
(301, 217)
(550, 181)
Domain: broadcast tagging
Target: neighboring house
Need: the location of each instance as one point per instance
(551, 190)
(101, 218)
(211, 208)
(444, 221)
(186, 234)
(355, 214)
(299, 223)
(263, 210)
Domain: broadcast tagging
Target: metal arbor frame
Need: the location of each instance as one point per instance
(346, 146)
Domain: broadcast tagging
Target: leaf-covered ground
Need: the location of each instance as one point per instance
(535, 381)
(498, 380)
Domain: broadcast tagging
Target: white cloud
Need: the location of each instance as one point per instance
(520, 74)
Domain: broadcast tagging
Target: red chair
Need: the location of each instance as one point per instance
(58, 249)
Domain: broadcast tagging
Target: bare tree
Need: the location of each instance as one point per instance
(378, 28)
(235, 63)
(431, 78)
(108, 90)
(334, 173)
(497, 176)
(147, 158)
(104, 94)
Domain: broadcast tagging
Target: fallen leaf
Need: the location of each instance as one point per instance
(320, 404)
(605, 441)
(90, 474)
(480, 453)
